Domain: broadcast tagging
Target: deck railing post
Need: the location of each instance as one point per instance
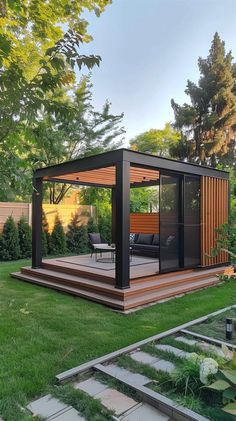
(122, 222)
(37, 197)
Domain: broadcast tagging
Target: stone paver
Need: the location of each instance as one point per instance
(209, 347)
(71, 415)
(185, 340)
(143, 357)
(116, 401)
(91, 386)
(145, 412)
(123, 375)
(176, 351)
(164, 365)
(47, 407)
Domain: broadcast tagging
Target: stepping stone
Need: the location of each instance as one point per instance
(163, 365)
(212, 348)
(116, 401)
(186, 340)
(126, 375)
(47, 407)
(91, 386)
(176, 351)
(145, 412)
(143, 357)
(71, 415)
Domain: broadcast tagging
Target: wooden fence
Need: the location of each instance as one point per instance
(65, 212)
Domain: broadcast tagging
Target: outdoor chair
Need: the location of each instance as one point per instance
(95, 238)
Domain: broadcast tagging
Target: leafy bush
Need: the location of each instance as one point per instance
(9, 242)
(46, 238)
(77, 236)
(104, 226)
(58, 238)
(25, 238)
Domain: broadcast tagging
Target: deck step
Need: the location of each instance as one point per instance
(106, 294)
(99, 298)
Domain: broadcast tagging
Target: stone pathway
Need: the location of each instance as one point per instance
(50, 409)
(176, 351)
(204, 346)
(154, 362)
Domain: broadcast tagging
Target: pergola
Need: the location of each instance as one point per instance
(121, 170)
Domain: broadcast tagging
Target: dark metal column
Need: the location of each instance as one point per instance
(37, 198)
(122, 222)
(113, 215)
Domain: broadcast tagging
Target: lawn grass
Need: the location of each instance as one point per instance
(44, 332)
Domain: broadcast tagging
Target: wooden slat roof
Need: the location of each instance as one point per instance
(107, 176)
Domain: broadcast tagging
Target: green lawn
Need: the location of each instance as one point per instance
(43, 332)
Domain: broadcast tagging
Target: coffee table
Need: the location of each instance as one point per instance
(105, 248)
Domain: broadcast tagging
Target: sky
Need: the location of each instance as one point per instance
(149, 49)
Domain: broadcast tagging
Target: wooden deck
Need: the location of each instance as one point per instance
(99, 285)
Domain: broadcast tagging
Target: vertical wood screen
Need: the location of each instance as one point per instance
(214, 212)
(147, 223)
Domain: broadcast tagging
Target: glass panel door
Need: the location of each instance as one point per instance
(170, 189)
(191, 221)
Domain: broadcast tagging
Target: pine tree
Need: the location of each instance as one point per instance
(25, 238)
(208, 125)
(58, 238)
(92, 225)
(9, 244)
(45, 235)
(77, 236)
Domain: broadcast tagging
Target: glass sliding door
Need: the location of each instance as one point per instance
(191, 221)
(170, 216)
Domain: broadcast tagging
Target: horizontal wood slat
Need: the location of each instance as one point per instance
(147, 223)
(214, 212)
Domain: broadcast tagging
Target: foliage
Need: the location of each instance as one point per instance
(25, 238)
(225, 241)
(58, 238)
(85, 132)
(225, 382)
(9, 241)
(144, 199)
(36, 58)
(156, 141)
(208, 124)
(77, 236)
(45, 235)
(92, 225)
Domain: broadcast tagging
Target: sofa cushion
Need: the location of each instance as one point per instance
(132, 237)
(144, 239)
(149, 247)
(95, 237)
(169, 240)
(156, 240)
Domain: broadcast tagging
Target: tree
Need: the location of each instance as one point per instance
(58, 238)
(92, 225)
(46, 238)
(36, 57)
(25, 238)
(77, 236)
(156, 141)
(208, 123)
(84, 133)
(9, 241)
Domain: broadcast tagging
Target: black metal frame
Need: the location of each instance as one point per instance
(122, 159)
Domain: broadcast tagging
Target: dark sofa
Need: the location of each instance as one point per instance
(149, 244)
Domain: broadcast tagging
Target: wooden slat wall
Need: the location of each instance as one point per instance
(66, 212)
(214, 212)
(147, 223)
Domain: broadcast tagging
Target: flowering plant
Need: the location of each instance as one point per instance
(208, 367)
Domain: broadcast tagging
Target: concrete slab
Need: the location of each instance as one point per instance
(186, 340)
(47, 407)
(145, 412)
(71, 415)
(126, 375)
(163, 365)
(143, 357)
(91, 386)
(116, 401)
(176, 351)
